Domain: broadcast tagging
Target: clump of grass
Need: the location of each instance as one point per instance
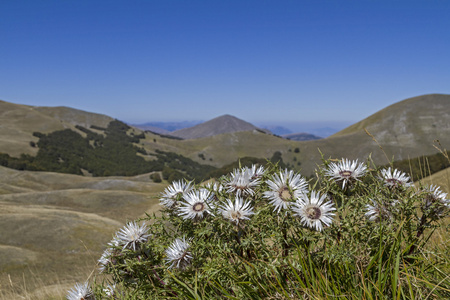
(356, 232)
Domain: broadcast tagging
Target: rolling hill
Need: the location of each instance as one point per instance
(57, 225)
(406, 129)
(219, 125)
(18, 122)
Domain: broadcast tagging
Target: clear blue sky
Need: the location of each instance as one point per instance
(277, 61)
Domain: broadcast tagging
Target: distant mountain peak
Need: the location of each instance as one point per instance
(219, 125)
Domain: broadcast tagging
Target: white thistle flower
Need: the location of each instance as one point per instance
(105, 260)
(257, 172)
(241, 182)
(174, 192)
(285, 188)
(314, 211)
(80, 292)
(377, 212)
(346, 171)
(196, 205)
(395, 178)
(178, 254)
(132, 235)
(237, 211)
(215, 188)
(437, 198)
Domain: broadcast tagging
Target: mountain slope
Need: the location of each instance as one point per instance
(406, 120)
(403, 130)
(219, 125)
(406, 129)
(18, 122)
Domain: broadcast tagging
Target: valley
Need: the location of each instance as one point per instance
(55, 225)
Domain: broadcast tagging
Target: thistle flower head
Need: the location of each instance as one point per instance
(346, 171)
(314, 211)
(105, 260)
(256, 172)
(395, 178)
(132, 235)
(242, 182)
(377, 212)
(284, 189)
(237, 211)
(174, 192)
(215, 188)
(435, 201)
(80, 292)
(178, 255)
(196, 204)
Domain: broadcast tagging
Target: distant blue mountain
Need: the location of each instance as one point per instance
(318, 129)
(301, 136)
(278, 130)
(166, 127)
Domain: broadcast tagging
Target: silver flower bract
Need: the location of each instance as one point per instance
(80, 292)
(395, 178)
(436, 199)
(132, 235)
(237, 211)
(215, 188)
(314, 211)
(178, 255)
(256, 172)
(377, 212)
(284, 189)
(104, 261)
(346, 171)
(196, 205)
(174, 192)
(242, 182)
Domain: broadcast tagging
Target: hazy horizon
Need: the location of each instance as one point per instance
(319, 128)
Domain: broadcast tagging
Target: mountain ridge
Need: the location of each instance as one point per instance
(403, 130)
(222, 124)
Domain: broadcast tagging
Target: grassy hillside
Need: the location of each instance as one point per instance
(114, 151)
(441, 178)
(404, 130)
(20, 121)
(54, 227)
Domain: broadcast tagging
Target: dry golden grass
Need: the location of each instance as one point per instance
(20, 121)
(441, 178)
(54, 227)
